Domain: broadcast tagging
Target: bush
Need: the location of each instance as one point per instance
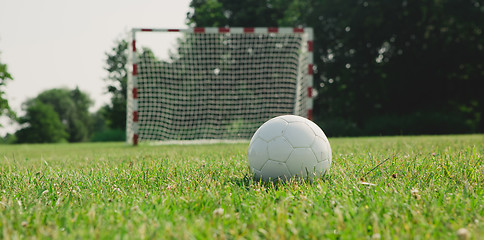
(338, 127)
(109, 135)
(9, 139)
(42, 125)
(408, 124)
(418, 123)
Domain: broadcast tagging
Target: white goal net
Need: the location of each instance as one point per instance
(217, 83)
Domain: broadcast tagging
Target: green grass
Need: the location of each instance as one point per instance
(430, 187)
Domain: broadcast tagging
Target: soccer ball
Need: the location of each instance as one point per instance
(289, 147)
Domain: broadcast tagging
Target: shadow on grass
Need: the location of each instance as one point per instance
(248, 182)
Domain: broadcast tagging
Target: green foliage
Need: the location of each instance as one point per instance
(338, 127)
(9, 139)
(418, 123)
(206, 13)
(101, 131)
(117, 79)
(379, 58)
(72, 109)
(43, 125)
(426, 122)
(109, 135)
(99, 121)
(249, 13)
(429, 188)
(4, 106)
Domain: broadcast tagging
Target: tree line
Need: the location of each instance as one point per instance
(381, 67)
(62, 114)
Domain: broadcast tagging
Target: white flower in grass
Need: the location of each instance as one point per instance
(415, 193)
(218, 212)
(463, 234)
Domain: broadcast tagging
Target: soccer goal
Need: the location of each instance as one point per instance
(217, 84)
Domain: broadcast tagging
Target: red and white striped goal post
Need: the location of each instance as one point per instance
(223, 30)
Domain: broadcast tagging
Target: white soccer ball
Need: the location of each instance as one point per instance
(289, 147)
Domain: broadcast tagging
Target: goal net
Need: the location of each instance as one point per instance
(217, 83)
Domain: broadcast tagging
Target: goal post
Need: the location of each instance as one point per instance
(218, 83)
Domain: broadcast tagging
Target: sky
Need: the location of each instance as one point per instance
(62, 43)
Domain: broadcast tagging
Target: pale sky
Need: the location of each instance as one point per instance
(62, 43)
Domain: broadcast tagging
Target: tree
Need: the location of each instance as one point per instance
(43, 125)
(117, 79)
(382, 67)
(249, 13)
(399, 68)
(4, 106)
(81, 127)
(72, 109)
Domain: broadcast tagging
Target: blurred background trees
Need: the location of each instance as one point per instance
(43, 125)
(57, 115)
(383, 67)
(5, 109)
(111, 118)
(117, 80)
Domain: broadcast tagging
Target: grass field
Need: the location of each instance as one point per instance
(430, 187)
